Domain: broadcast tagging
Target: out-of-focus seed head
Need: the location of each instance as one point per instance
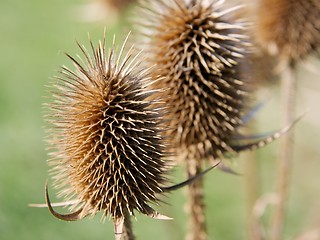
(118, 4)
(260, 69)
(198, 47)
(105, 136)
(108, 11)
(290, 28)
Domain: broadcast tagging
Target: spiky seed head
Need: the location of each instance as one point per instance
(105, 140)
(198, 47)
(260, 68)
(290, 28)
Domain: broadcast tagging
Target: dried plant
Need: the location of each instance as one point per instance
(199, 47)
(290, 30)
(107, 151)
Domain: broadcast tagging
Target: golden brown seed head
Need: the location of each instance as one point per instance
(290, 28)
(198, 47)
(105, 140)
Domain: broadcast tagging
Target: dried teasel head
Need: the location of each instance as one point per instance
(290, 28)
(198, 46)
(105, 136)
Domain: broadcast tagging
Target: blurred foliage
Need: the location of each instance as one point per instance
(34, 36)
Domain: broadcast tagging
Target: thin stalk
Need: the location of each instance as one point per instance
(127, 228)
(252, 177)
(196, 207)
(252, 189)
(288, 93)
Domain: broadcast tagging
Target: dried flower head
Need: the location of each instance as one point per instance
(106, 147)
(198, 47)
(290, 28)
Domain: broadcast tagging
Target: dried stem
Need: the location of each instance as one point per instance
(127, 228)
(195, 207)
(252, 187)
(288, 93)
(252, 179)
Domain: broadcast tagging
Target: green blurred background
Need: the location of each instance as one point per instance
(34, 35)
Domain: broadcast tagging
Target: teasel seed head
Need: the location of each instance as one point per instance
(290, 28)
(105, 137)
(198, 47)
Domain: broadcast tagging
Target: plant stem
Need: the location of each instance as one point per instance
(252, 186)
(195, 207)
(127, 228)
(288, 94)
(252, 179)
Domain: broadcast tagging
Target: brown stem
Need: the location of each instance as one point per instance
(195, 207)
(252, 187)
(127, 228)
(251, 169)
(288, 93)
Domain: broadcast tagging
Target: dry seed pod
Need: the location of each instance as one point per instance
(290, 28)
(106, 147)
(198, 47)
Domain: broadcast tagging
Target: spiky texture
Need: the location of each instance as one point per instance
(290, 28)
(198, 47)
(105, 140)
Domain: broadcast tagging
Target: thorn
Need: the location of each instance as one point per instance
(189, 180)
(268, 139)
(66, 217)
(57, 204)
(156, 215)
(227, 169)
